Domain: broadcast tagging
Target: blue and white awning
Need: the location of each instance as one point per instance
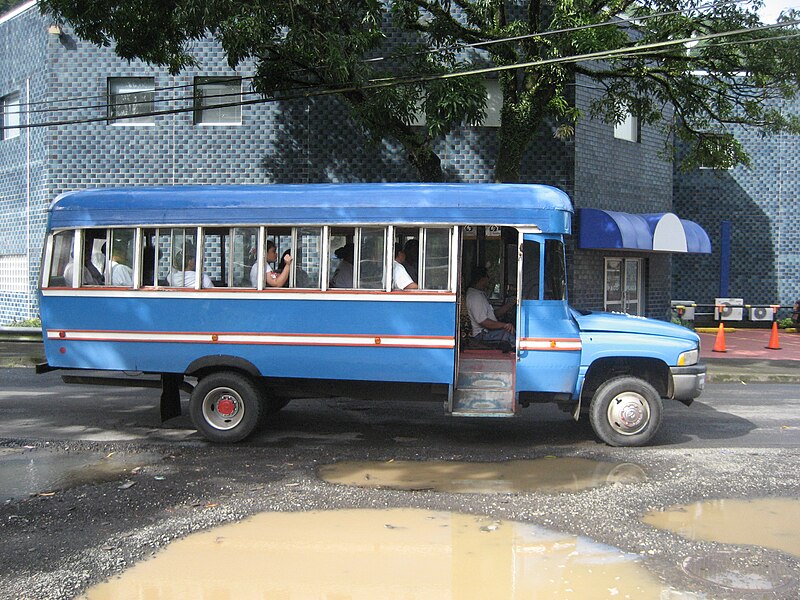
(662, 232)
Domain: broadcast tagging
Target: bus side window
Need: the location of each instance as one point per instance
(308, 258)
(164, 265)
(94, 242)
(372, 245)
(62, 269)
(119, 257)
(243, 252)
(436, 257)
(341, 251)
(181, 256)
(554, 270)
(149, 257)
(216, 247)
(531, 252)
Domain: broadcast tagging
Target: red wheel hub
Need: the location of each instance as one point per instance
(226, 407)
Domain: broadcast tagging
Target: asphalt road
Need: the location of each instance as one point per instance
(737, 441)
(41, 407)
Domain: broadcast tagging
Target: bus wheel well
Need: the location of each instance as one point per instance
(212, 364)
(651, 370)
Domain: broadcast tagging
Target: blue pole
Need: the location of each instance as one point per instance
(724, 258)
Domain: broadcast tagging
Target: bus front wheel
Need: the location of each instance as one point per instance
(226, 407)
(625, 411)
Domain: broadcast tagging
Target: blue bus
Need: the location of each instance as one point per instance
(246, 297)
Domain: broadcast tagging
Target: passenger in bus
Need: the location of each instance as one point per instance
(401, 280)
(91, 276)
(185, 274)
(121, 273)
(411, 261)
(272, 277)
(486, 328)
(343, 275)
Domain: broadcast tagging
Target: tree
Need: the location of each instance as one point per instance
(642, 60)
(298, 47)
(711, 61)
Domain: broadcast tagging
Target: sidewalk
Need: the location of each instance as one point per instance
(747, 360)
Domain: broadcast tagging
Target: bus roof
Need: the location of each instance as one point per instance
(525, 205)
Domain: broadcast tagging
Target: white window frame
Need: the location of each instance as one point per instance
(118, 86)
(628, 130)
(11, 110)
(207, 113)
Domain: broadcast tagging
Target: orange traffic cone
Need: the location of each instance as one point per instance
(773, 338)
(719, 343)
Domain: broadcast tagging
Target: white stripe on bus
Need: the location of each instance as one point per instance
(537, 344)
(392, 341)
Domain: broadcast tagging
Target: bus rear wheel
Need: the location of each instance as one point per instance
(226, 407)
(625, 411)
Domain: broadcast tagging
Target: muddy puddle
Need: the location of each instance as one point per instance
(767, 522)
(538, 475)
(24, 473)
(398, 553)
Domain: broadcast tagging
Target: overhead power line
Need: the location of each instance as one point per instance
(635, 50)
(616, 21)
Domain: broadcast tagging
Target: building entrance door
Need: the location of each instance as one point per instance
(623, 285)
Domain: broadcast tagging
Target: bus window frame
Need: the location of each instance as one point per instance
(390, 232)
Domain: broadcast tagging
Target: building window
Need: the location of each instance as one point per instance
(628, 129)
(129, 97)
(14, 273)
(10, 108)
(217, 100)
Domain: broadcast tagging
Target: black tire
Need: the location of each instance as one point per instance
(625, 411)
(238, 415)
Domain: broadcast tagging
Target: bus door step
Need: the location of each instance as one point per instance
(485, 389)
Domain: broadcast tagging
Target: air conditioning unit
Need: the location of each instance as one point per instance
(732, 309)
(761, 313)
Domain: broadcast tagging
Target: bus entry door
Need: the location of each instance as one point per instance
(548, 339)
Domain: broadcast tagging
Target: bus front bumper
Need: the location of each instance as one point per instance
(688, 382)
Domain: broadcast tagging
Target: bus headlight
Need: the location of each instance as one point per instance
(686, 359)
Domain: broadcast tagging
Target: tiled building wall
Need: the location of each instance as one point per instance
(619, 175)
(763, 205)
(23, 197)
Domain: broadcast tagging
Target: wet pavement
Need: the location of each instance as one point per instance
(397, 553)
(550, 474)
(333, 500)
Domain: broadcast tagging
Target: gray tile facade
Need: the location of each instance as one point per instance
(300, 141)
(761, 202)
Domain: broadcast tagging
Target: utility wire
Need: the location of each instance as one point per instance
(642, 49)
(477, 45)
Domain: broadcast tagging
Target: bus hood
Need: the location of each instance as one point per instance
(624, 323)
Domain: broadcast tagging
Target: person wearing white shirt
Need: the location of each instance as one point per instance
(187, 277)
(483, 318)
(401, 280)
(121, 275)
(272, 278)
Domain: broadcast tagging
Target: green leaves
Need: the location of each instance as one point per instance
(663, 59)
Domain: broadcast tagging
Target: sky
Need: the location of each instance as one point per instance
(772, 8)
